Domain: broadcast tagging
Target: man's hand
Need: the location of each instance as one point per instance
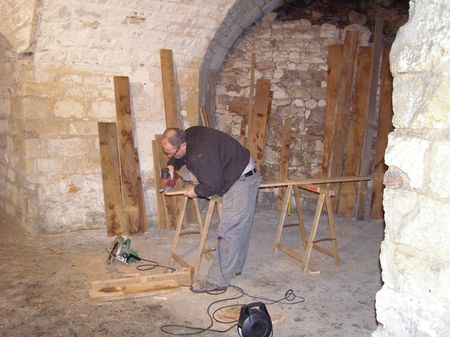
(190, 192)
(171, 171)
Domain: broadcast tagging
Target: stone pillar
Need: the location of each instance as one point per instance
(415, 255)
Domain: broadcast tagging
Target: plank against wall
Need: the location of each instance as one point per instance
(385, 126)
(112, 193)
(284, 165)
(344, 93)
(128, 164)
(333, 82)
(366, 159)
(250, 94)
(257, 130)
(169, 88)
(160, 202)
(347, 196)
(170, 203)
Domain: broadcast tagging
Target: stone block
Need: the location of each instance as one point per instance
(4, 125)
(70, 147)
(37, 107)
(399, 152)
(5, 107)
(37, 128)
(69, 109)
(45, 165)
(86, 128)
(438, 168)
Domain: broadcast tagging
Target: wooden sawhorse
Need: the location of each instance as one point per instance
(324, 198)
(203, 229)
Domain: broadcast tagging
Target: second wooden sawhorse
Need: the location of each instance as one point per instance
(324, 199)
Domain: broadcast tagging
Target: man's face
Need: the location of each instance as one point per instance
(176, 152)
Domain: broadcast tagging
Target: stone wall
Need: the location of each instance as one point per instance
(415, 255)
(293, 55)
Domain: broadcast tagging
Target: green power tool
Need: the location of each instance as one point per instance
(121, 251)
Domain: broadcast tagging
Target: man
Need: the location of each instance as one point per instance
(224, 168)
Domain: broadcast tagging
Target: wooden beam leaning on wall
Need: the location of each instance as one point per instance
(366, 157)
(334, 75)
(385, 126)
(284, 163)
(128, 161)
(257, 130)
(347, 196)
(169, 88)
(112, 193)
(342, 109)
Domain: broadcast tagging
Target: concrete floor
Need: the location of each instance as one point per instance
(44, 284)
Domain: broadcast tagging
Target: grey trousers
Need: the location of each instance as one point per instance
(238, 208)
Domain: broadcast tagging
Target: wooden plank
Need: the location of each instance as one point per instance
(160, 201)
(257, 129)
(385, 126)
(128, 164)
(242, 139)
(170, 204)
(169, 88)
(203, 116)
(181, 277)
(141, 197)
(347, 196)
(335, 53)
(343, 103)
(284, 164)
(285, 183)
(251, 90)
(112, 193)
(133, 290)
(366, 160)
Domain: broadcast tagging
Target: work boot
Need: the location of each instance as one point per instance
(203, 286)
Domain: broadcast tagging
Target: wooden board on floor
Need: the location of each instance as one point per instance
(128, 165)
(347, 197)
(169, 88)
(257, 129)
(385, 126)
(333, 81)
(366, 159)
(112, 193)
(136, 290)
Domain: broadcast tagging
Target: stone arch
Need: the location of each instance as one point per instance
(240, 16)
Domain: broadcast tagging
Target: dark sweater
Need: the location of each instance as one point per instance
(214, 157)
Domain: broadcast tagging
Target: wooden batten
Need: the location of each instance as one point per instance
(284, 164)
(250, 94)
(160, 201)
(347, 197)
(257, 128)
(368, 142)
(385, 126)
(128, 160)
(343, 100)
(333, 80)
(112, 193)
(169, 88)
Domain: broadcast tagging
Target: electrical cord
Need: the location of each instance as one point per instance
(152, 265)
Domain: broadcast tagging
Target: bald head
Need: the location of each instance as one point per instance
(173, 142)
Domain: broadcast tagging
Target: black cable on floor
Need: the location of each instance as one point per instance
(289, 298)
(152, 265)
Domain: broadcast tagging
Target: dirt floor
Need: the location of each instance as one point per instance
(45, 280)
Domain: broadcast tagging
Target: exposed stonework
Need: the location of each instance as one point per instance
(293, 55)
(415, 298)
(63, 87)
